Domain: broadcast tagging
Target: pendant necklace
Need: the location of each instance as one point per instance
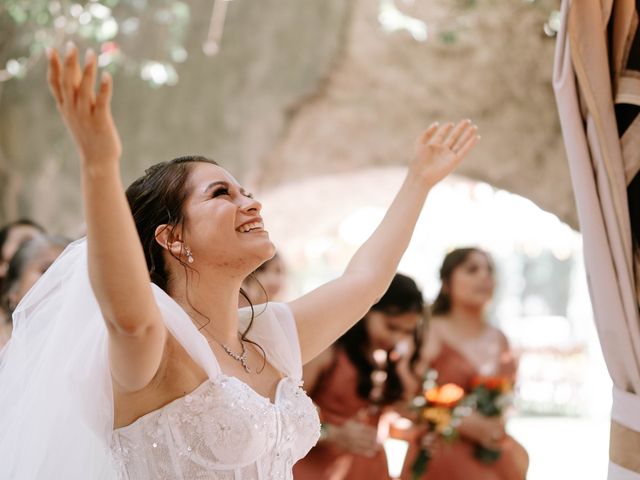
(242, 357)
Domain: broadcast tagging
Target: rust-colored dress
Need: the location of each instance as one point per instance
(456, 461)
(337, 398)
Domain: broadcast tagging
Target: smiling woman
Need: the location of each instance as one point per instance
(140, 364)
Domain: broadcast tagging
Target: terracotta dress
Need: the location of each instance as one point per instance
(337, 398)
(456, 461)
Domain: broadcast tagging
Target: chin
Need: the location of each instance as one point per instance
(267, 258)
(262, 254)
(269, 250)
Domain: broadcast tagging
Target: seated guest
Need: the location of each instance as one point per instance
(341, 383)
(12, 235)
(28, 264)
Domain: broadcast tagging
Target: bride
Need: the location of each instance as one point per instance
(130, 358)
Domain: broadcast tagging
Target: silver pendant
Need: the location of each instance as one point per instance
(242, 358)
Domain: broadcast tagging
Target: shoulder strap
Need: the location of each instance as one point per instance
(274, 329)
(184, 331)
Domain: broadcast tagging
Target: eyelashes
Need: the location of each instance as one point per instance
(223, 191)
(219, 192)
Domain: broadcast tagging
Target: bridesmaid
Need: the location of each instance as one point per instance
(340, 383)
(461, 345)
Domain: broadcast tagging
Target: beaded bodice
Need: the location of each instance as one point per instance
(224, 429)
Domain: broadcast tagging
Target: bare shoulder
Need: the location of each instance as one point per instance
(439, 324)
(497, 333)
(439, 329)
(434, 334)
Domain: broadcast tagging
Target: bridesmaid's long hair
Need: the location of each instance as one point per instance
(402, 296)
(453, 260)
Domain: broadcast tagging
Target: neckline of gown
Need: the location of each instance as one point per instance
(272, 403)
(209, 359)
(460, 354)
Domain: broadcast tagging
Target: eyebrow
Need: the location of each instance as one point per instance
(223, 183)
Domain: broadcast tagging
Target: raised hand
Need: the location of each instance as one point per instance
(441, 148)
(86, 113)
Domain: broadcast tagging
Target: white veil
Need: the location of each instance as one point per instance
(56, 399)
(56, 403)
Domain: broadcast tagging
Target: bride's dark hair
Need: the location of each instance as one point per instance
(157, 198)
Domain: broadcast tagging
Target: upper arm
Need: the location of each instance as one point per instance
(508, 360)
(135, 355)
(430, 348)
(325, 313)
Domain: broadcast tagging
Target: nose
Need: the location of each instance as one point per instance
(251, 205)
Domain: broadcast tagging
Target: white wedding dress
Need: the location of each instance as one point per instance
(56, 400)
(224, 429)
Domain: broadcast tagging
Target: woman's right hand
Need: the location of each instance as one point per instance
(486, 431)
(86, 113)
(355, 437)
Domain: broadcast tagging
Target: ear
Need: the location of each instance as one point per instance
(169, 238)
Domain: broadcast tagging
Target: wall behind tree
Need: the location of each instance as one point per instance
(307, 88)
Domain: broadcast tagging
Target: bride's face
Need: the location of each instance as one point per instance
(222, 222)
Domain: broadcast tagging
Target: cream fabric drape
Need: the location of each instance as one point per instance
(598, 94)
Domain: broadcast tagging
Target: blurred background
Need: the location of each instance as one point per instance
(314, 106)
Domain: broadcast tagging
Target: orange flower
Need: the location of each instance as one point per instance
(437, 415)
(446, 396)
(500, 383)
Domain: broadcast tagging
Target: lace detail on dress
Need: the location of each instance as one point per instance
(222, 430)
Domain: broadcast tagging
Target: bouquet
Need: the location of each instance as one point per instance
(440, 407)
(490, 396)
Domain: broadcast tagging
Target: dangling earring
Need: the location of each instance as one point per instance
(189, 255)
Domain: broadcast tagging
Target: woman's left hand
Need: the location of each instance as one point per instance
(441, 148)
(86, 113)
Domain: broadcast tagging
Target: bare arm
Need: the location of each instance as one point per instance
(117, 268)
(325, 313)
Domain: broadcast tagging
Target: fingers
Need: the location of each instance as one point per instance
(467, 146)
(105, 91)
(71, 75)
(72, 86)
(53, 76)
(441, 133)
(457, 132)
(460, 139)
(469, 132)
(366, 443)
(85, 97)
(453, 137)
(428, 133)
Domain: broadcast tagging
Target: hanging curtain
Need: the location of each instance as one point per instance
(596, 79)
